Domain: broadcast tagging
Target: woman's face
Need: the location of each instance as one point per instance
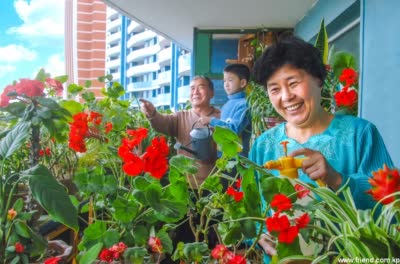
(296, 95)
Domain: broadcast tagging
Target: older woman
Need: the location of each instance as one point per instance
(340, 148)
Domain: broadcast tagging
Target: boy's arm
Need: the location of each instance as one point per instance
(237, 122)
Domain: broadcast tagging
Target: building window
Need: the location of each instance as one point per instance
(167, 89)
(154, 93)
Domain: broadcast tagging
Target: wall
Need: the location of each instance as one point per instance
(380, 69)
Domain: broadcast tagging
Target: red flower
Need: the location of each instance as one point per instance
(384, 182)
(137, 135)
(41, 153)
(237, 195)
(29, 88)
(5, 99)
(281, 202)
(56, 85)
(48, 151)
(53, 260)
(106, 255)
(155, 244)
(219, 251)
(303, 221)
(277, 223)
(301, 191)
(155, 158)
(19, 248)
(133, 167)
(346, 97)
(288, 235)
(238, 183)
(118, 249)
(349, 77)
(237, 260)
(108, 127)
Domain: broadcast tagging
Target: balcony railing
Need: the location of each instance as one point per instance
(183, 94)
(113, 51)
(184, 63)
(142, 53)
(163, 41)
(111, 13)
(113, 64)
(116, 76)
(113, 24)
(139, 39)
(164, 78)
(164, 56)
(133, 27)
(112, 38)
(141, 86)
(160, 100)
(141, 69)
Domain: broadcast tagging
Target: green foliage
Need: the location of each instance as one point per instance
(321, 42)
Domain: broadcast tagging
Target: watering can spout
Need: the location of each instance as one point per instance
(178, 146)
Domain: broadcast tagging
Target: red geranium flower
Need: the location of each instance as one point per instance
(277, 223)
(19, 248)
(384, 182)
(301, 191)
(53, 260)
(56, 85)
(155, 244)
(281, 202)
(288, 235)
(349, 77)
(346, 97)
(303, 221)
(106, 255)
(219, 251)
(237, 259)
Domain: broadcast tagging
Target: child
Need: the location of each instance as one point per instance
(234, 113)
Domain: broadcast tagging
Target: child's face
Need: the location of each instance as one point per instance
(233, 84)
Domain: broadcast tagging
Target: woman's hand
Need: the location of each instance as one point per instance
(267, 243)
(317, 167)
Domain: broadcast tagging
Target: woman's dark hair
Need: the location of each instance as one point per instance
(289, 51)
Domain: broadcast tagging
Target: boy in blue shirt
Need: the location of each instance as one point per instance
(234, 114)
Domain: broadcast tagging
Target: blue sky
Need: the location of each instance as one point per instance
(31, 37)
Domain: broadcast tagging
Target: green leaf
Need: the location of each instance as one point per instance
(61, 78)
(321, 42)
(52, 196)
(125, 210)
(14, 139)
(22, 229)
(140, 234)
(183, 165)
(41, 75)
(74, 89)
(94, 181)
(165, 241)
(91, 255)
(88, 96)
(48, 102)
(285, 250)
(88, 83)
(72, 106)
(171, 211)
(341, 61)
(18, 205)
(110, 237)
(233, 236)
(212, 183)
(228, 141)
(273, 185)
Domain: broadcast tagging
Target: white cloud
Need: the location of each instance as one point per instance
(55, 65)
(16, 53)
(40, 18)
(6, 70)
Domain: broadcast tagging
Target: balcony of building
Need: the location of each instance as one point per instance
(163, 41)
(113, 37)
(112, 64)
(160, 100)
(113, 24)
(183, 94)
(164, 56)
(111, 13)
(140, 38)
(164, 78)
(184, 63)
(113, 51)
(139, 54)
(134, 27)
(142, 69)
(142, 86)
(116, 76)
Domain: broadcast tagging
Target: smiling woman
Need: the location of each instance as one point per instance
(339, 149)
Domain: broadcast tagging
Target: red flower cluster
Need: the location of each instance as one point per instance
(113, 253)
(301, 191)
(155, 244)
(46, 152)
(347, 97)
(280, 224)
(56, 85)
(52, 260)
(225, 256)
(19, 248)
(153, 161)
(349, 77)
(85, 126)
(237, 195)
(384, 182)
(25, 87)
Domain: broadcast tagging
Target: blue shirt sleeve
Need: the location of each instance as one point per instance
(237, 119)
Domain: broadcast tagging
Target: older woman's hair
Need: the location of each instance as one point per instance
(208, 80)
(289, 51)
